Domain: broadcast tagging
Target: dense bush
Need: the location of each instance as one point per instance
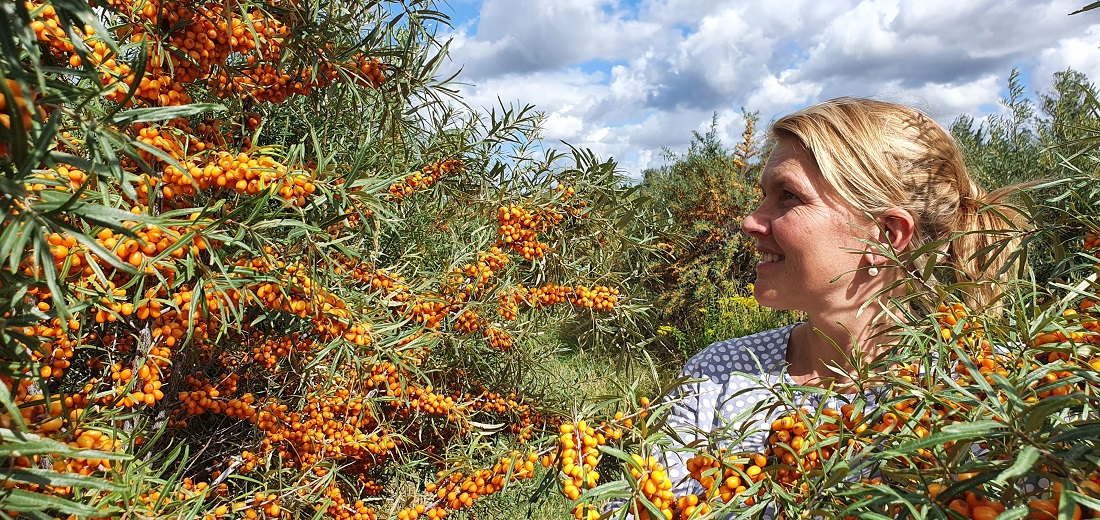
(1040, 138)
(255, 262)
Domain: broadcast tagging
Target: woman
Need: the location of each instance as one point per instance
(851, 186)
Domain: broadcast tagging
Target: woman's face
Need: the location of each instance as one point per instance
(807, 237)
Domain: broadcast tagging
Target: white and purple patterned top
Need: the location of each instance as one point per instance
(737, 375)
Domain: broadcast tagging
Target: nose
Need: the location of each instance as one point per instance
(755, 224)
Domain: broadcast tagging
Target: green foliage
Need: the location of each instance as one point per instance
(706, 192)
(1039, 141)
(1036, 138)
(283, 308)
(730, 312)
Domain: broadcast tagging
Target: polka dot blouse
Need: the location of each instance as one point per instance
(738, 376)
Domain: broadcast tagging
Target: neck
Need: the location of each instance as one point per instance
(823, 351)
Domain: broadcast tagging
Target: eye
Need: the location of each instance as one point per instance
(788, 196)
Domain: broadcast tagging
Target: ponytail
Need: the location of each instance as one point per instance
(985, 239)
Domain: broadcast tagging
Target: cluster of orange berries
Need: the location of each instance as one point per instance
(430, 310)
(988, 362)
(467, 322)
(341, 510)
(599, 297)
(385, 377)
(791, 446)
(336, 425)
(204, 37)
(146, 389)
(371, 71)
(726, 478)
(1085, 316)
(567, 192)
(64, 250)
(267, 82)
(241, 173)
(126, 387)
(56, 348)
(518, 229)
(340, 427)
(976, 506)
(425, 178)
(22, 101)
(173, 141)
(427, 401)
(150, 244)
(142, 252)
(90, 440)
(971, 505)
(472, 280)
(33, 407)
(82, 439)
(1092, 240)
(295, 292)
(261, 505)
(580, 453)
(796, 448)
(385, 281)
(51, 418)
(61, 178)
(508, 302)
(654, 485)
(271, 350)
(456, 491)
(48, 30)
(205, 397)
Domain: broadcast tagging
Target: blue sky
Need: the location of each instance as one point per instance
(629, 78)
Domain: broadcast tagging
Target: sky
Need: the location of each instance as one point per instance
(631, 78)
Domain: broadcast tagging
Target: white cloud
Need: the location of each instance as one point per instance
(953, 100)
(560, 125)
(628, 79)
(1081, 53)
(777, 94)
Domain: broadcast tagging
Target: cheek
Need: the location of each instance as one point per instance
(803, 229)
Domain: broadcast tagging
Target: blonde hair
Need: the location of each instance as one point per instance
(879, 156)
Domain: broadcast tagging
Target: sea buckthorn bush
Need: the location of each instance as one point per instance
(256, 263)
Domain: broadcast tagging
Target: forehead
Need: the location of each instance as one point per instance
(791, 165)
(790, 162)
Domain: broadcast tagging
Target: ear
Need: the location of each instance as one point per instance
(899, 226)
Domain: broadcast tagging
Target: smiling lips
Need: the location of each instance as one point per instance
(770, 257)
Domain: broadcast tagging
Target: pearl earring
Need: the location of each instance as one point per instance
(873, 271)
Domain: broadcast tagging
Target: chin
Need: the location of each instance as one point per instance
(768, 299)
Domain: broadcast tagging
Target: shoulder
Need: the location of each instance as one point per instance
(748, 354)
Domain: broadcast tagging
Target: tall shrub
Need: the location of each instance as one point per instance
(256, 261)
